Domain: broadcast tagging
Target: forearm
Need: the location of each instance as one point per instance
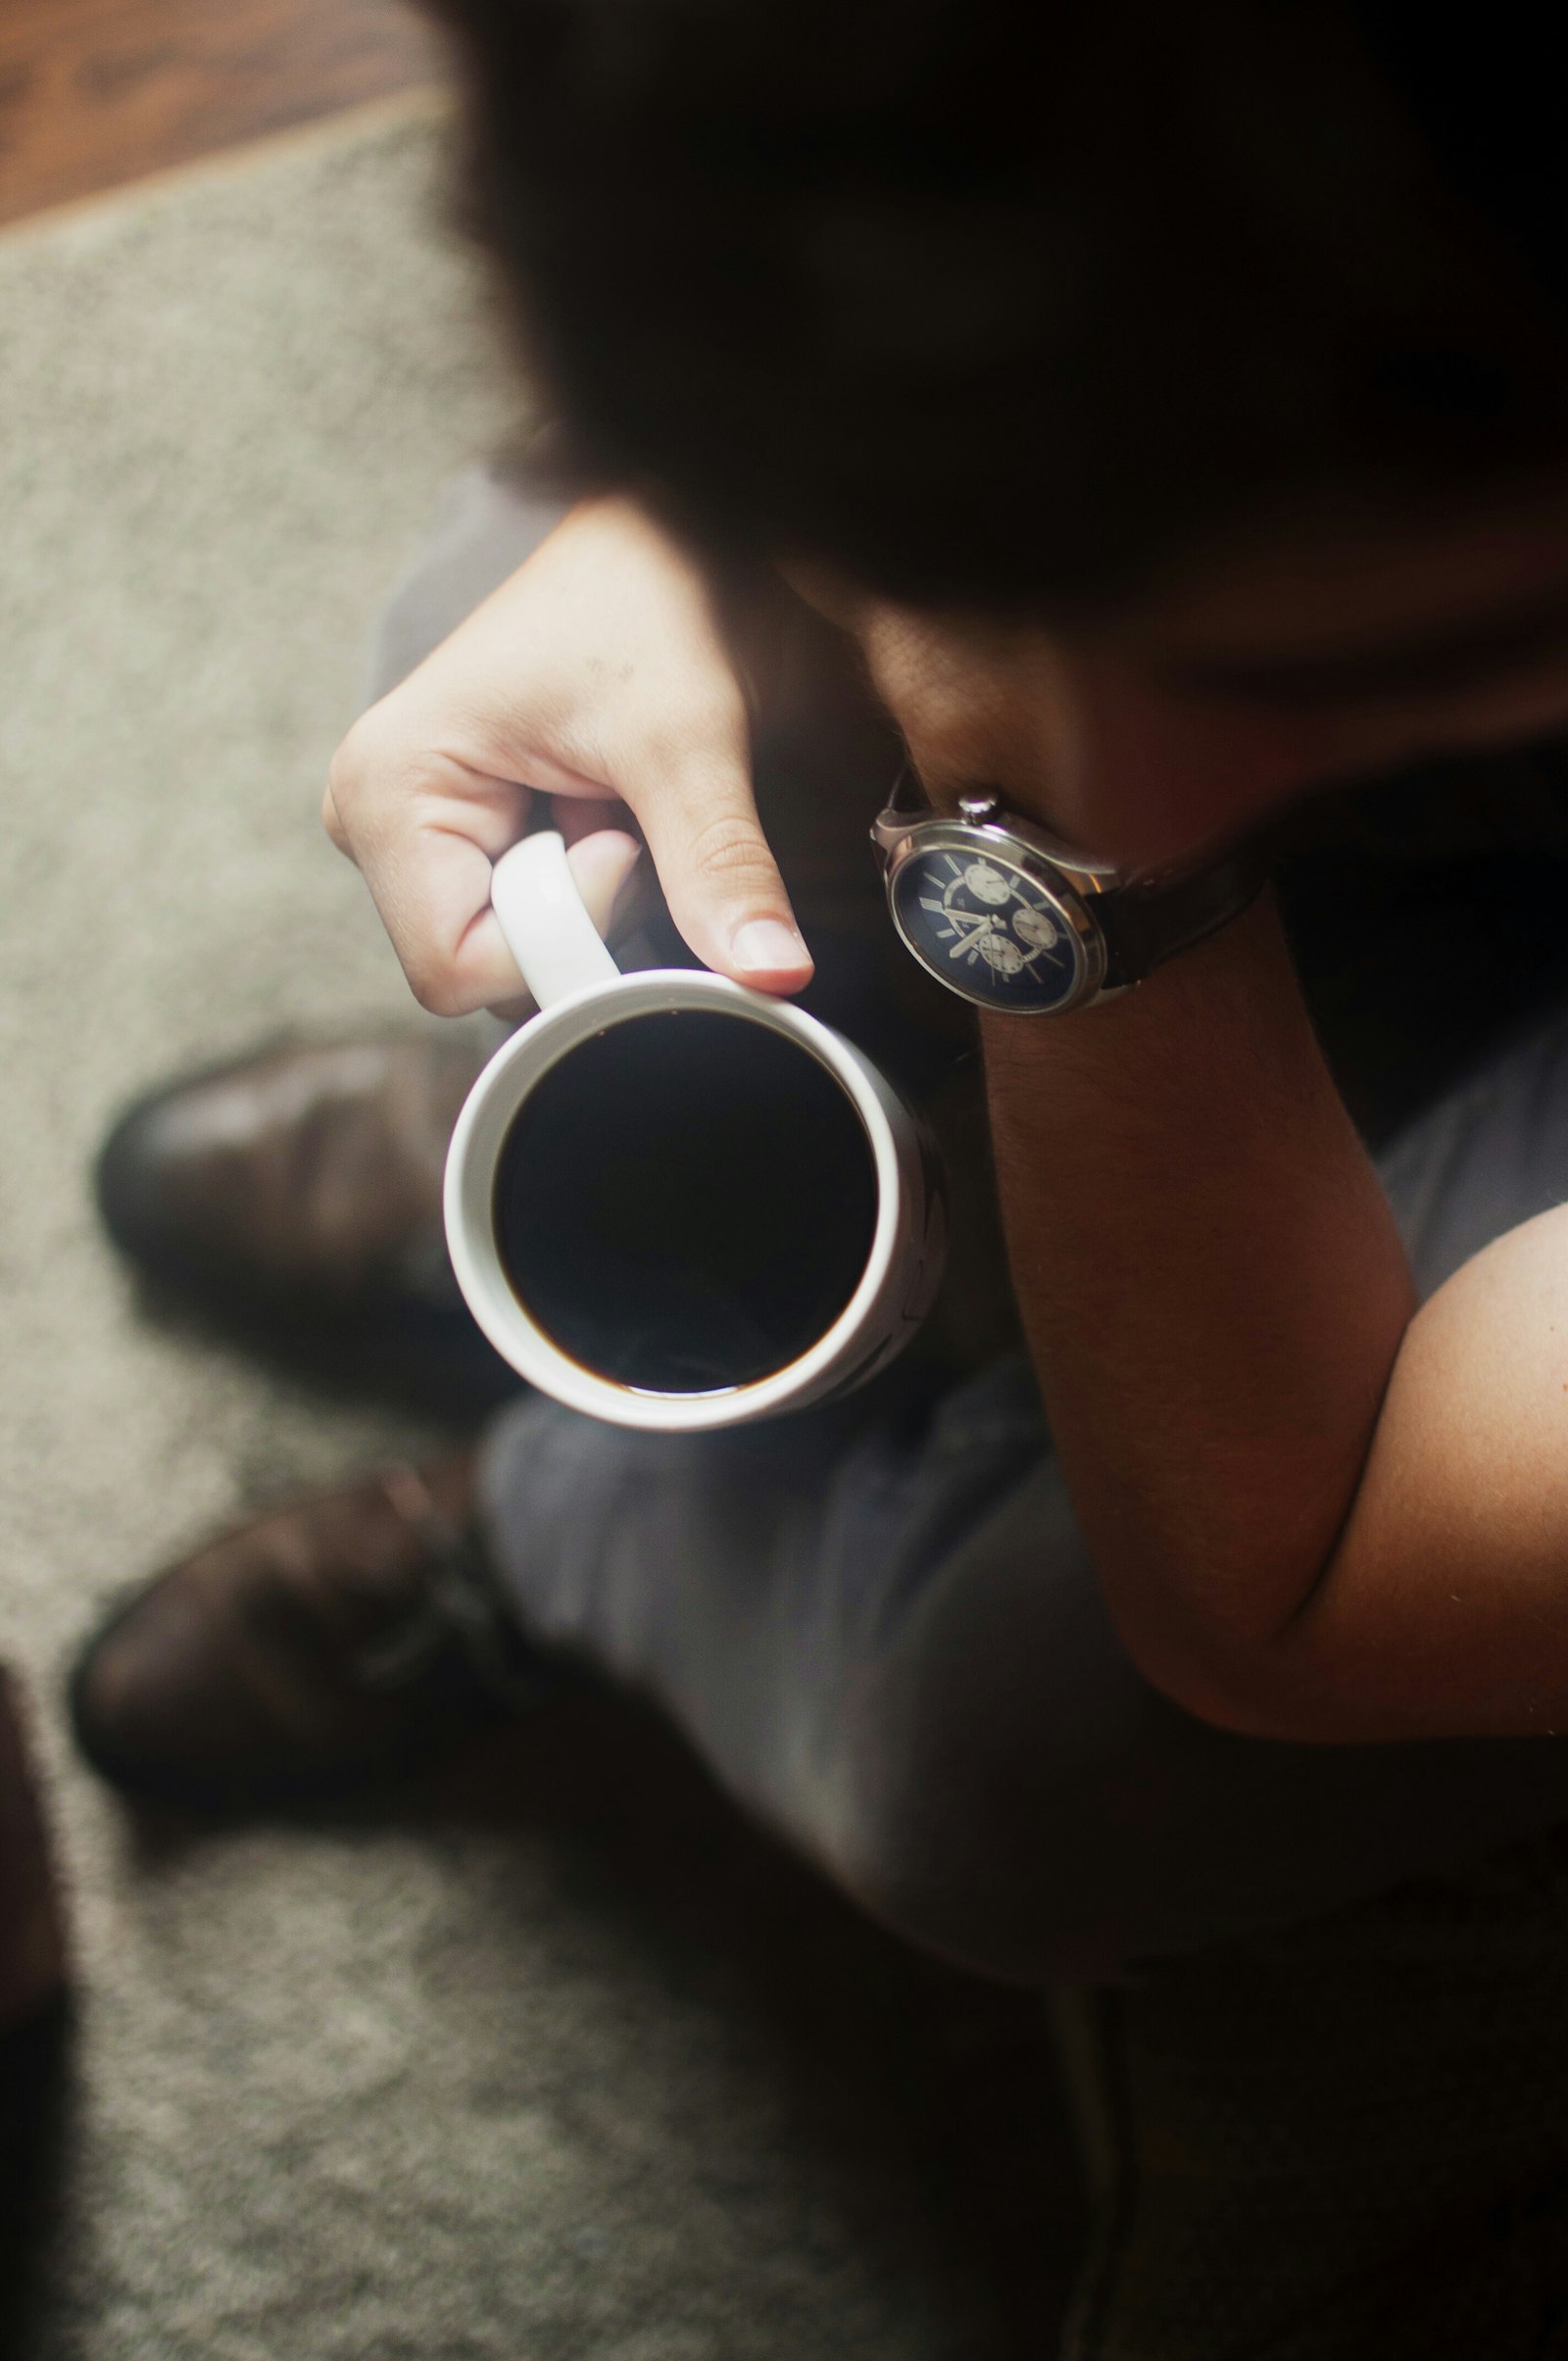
(1215, 1296)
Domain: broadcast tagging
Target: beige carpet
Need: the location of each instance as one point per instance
(545, 2061)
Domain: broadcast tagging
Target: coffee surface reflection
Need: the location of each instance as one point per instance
(685, 1203)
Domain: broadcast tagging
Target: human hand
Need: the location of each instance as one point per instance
(597, 675)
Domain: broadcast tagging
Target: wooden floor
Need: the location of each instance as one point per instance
(97, 92)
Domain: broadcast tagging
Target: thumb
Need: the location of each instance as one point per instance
(721, 881)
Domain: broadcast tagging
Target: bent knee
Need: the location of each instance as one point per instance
(999, 1857)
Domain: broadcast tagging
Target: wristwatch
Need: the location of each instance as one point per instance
(1008, 916)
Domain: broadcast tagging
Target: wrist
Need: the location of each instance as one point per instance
(1224, 1022)
(1013, 918)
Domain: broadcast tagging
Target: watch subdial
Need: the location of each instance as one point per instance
(1000, 953)
(988, 884)
(1032, 926)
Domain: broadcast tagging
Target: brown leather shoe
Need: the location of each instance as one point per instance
(33, 1943)
(341, 1635)
(294, 1194)
(36, 2025)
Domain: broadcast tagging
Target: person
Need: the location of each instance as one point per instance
(1162, 421)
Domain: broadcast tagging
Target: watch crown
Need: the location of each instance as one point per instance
(978, 807)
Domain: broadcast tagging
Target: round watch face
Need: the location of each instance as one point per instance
(987, 928)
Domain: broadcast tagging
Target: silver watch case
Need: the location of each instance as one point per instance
(1071, 880)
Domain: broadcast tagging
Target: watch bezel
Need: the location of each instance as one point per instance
(1018, 846)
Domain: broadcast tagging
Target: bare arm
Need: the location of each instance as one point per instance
(1317, 1513)
(1314, 1515)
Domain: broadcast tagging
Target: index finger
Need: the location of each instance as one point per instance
(424, 831)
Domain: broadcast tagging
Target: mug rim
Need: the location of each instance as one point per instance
(479, 1135)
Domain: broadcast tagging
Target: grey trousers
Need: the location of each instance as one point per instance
(880, 1624)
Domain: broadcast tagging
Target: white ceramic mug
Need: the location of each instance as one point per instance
(582, 993)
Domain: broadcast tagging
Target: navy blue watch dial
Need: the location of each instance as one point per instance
(987, 928)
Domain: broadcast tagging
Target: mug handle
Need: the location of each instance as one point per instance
(548, 931)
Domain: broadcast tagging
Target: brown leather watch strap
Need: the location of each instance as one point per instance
(1147, 920)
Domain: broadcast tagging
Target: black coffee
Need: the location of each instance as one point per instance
(686, 1201)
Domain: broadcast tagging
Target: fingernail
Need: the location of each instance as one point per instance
(766, 946)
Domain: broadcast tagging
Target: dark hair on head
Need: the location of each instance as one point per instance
(1004, 301)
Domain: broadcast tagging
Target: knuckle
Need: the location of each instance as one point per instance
(435, 985)
(728, 849)
(345, 776)
(368, 755)
(332, 822)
